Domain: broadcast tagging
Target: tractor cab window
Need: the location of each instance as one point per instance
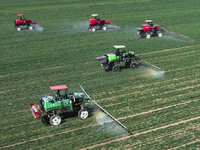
(61, 95)
(96, 18)
(150, 23)
(21, 18)
(57, 96)
(117, 52)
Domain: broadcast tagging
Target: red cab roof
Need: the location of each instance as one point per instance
(20, 15)
(58, 87)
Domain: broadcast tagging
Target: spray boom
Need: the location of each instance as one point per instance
(104, 110)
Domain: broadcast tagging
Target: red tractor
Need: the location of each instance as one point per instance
(95, 23)
(23, 22)
(149, 29)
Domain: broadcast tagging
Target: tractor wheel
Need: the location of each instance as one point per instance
(93, 29)
(83, 114)
(148, 36)
(55, 120)
(159, 34)
(116, 68)
(18, 29)
(107, 67)
(104, 28)
(30, 27)
(133, 65)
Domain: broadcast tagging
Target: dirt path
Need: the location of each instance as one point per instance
(92, 125)
(144, 132)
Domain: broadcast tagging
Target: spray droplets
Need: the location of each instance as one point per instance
(38, 27)
(153, 73)
(108, 124)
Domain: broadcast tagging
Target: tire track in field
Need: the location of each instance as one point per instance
(141, 133)
(158, 109)
(122, 95)
(198, 140)
(183, 68)
(143, 85)
(181, 89)
(92, 61)
(171, 49)
(150, 140)
(92, 125)
(177, 54)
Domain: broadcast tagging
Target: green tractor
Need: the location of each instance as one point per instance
(114, 61)
(50, 106)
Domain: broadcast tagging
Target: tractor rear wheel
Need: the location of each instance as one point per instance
(116, 68)
(18, 29)
(55, 120)
(93, 29)
(159, 34)
(30, 27)
(104, 28)
(148, 36)
(83, 114)
(133, 65)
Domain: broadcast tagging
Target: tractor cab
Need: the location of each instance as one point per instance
(119, 50)
(123, 54)
(61, 92)
(21, 17)
(149, 22)
(95, 16)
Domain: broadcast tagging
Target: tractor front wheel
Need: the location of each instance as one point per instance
(116, 68)
(133, 65)
(83, 114)
(107, 67)
(55, 120)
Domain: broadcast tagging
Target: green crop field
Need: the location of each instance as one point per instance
(161, 113)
